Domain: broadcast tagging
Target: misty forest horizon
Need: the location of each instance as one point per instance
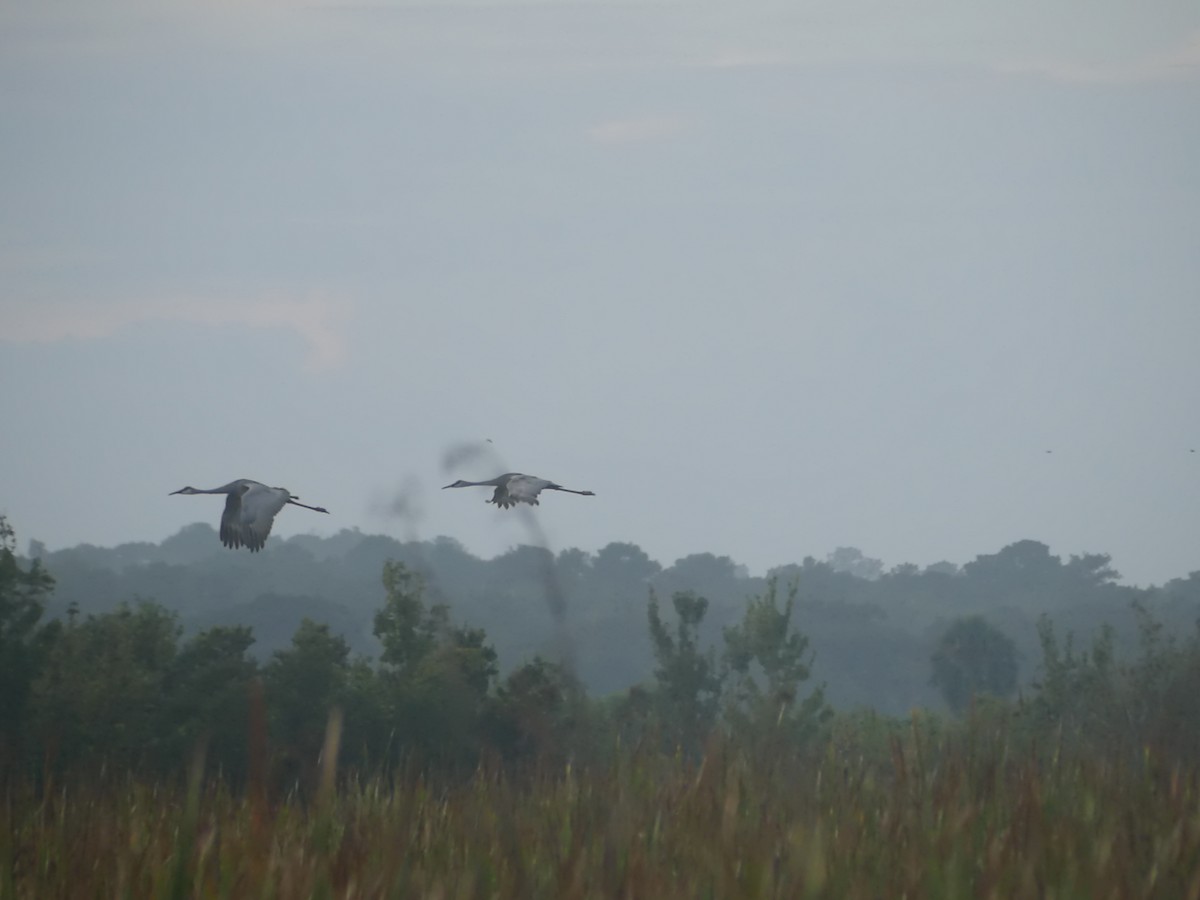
(872, 629)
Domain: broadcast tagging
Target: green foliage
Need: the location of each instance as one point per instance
(440, 705)
(1149, 705)
(406, 628)
(102, 694)
(435, 678)
(302, 684)
(974, 657)
(870, 635)
(208, 684)
(768, 660)
(115, 689)
(23, 639)
(688, 681)
(1076, 689)
(536, 712)
(120, 688)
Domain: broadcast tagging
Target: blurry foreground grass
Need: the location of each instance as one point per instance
(932, 816)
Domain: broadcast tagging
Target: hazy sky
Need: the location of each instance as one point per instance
(768, 277)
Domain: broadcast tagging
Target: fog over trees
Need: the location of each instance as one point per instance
(132, 657)
(872, 632)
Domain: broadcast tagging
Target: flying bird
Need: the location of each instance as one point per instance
(513, 488)
(250, 510)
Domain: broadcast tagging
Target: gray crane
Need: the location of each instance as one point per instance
(250, 510)
(513, 488)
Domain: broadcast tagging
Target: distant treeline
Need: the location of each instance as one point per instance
(871, 632)
(115, 681)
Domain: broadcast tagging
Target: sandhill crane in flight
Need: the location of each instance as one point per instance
(513, 488)
(250, 510)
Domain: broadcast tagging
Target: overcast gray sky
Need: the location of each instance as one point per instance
(769, 278)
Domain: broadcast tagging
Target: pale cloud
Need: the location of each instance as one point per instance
(636, 130)
(1178, 63)
(316, 319)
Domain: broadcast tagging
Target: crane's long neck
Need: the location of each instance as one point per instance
(569, 491)
(306, 506)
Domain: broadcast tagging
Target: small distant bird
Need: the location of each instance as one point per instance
(250, 510)
(513, 488)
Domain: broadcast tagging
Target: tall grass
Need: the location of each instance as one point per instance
(935, 816)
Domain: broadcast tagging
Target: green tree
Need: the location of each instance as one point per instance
(689, 682)
(406, 628)
(1162, 696)
(1090, 702)
(208, 684)
(303, 683)
(435, 677)
(531, 716)
(1076, 689)
(974, 657)
(441, 704)
(23, 639)
(102, 694)
(768, 660)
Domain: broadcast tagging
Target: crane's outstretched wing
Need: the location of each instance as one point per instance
(503, 498)
(519, 489)
(231, 519)
(249, 515)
